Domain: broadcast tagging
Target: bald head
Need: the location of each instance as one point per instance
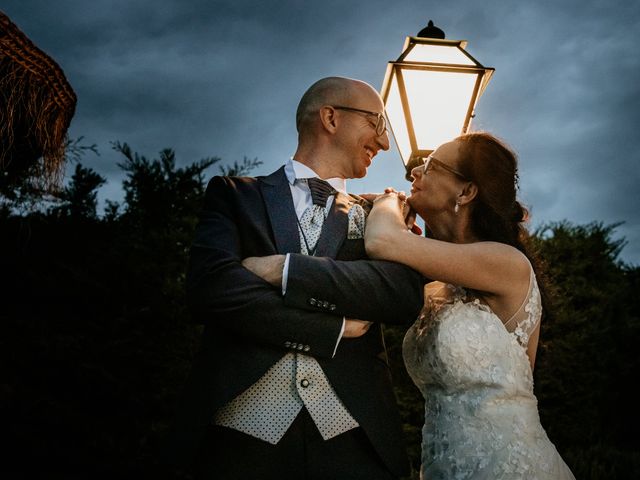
(337, 122)
(328, 91)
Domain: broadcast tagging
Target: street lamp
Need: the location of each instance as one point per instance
(430, 93)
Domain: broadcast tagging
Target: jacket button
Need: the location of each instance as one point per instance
(287, 344)
(294, 345)
(306, 348)
(332, 307)
(325, 304)
(304, 383)
(313, 302)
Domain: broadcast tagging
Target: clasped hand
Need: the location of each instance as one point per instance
(391, 218)
(394, 209)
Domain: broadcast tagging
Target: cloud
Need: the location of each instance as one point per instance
(224, 78)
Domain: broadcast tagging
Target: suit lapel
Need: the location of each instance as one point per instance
(279, 204)
(335, 227)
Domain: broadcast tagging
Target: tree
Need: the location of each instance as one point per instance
(156, 192)
(587, 364)
(79, 198)
(240, 169)
(23, 193)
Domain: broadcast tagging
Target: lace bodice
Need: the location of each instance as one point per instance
(481, 417)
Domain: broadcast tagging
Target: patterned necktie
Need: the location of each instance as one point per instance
(320, 191)
(313, 217)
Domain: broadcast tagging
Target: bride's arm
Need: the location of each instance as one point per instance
(490, 267)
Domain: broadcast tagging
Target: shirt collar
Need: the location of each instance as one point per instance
(295, 170)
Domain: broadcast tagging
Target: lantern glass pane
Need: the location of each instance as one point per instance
(395, 115)
(438, 54)
(439, 103)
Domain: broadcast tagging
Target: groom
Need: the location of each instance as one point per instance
(292, 380)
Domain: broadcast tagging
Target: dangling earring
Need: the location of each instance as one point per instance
(456, 209)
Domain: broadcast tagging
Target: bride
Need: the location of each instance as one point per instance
(472, 350)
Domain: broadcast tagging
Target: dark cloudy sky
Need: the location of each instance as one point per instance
(223, 78)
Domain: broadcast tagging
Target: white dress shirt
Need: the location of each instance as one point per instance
(301, 195)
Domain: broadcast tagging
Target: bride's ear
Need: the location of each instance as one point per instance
(468, 193)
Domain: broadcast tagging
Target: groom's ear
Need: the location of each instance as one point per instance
(328, 118)
(469, 192)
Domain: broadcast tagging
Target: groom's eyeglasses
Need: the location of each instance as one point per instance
(431, 161)
(381, 123)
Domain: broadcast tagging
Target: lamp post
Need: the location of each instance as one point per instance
(430, 93)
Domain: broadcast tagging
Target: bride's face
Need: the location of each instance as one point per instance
(437, 183)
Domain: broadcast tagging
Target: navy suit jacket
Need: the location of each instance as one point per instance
(250, 325)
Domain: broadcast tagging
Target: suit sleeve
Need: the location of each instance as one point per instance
(372, 290)
(221, 293)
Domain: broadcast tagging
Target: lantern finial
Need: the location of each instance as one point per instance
(431, 31)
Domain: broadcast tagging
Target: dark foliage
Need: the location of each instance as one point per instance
(96, 338)
(587, 368)
(96, 342)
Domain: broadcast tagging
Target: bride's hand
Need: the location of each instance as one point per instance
(408, 213)
(372, 197)
(385, 223)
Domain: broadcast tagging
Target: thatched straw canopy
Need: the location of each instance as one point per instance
(36, 107)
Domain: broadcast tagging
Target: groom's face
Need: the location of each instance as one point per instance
(358, 139)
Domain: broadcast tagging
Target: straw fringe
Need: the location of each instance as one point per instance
(39, 104)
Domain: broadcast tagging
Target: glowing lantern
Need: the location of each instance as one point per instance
(430, 93)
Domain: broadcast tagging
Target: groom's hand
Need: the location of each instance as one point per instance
(410, 219)
(369, 197)
(355, 328)
(268, 268)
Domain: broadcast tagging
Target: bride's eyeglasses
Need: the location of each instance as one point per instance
(430, 162)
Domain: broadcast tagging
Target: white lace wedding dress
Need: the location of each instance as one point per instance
(481, 416)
